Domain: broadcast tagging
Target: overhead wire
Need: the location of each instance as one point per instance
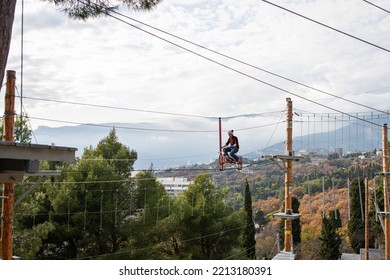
(231, 68)
(368, 2)
(214, 61)
(144, 129)
(246, 63)
(327, 26)
(108, 13)
(148, 248)
(119, 108)
(198, 115)
(148, 111)
(191, 116)
(123, 127)
(23, 109)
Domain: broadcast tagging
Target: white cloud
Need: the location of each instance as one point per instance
(103, 61)
(160, 138)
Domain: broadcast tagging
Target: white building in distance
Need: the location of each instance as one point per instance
(174, 185)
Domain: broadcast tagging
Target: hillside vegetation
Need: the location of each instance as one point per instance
(320, 186)
(98, 209)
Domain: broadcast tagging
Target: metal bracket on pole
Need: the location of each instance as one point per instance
(44, 175)
(283, 158)
(285, 216)
(385, 175)
(385, 214)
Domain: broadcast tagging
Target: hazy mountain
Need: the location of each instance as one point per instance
(161, 148)
(351, 138)
(165, 149)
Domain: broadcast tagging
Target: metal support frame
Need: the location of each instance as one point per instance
(37, 183)
(385, 175)
(285, 216)
(283, 158)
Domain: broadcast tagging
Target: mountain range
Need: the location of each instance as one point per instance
(164, 149)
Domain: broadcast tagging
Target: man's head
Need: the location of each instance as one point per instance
(230, 132)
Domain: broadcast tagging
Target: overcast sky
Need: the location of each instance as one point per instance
(107, 62)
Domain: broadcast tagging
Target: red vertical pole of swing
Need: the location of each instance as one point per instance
(220, 135)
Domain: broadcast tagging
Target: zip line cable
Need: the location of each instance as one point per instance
(221, 64)
(147, 111)
(247, 64)
(368, 2)
(25, 111)
(269, 140)
(123, 127)
(235, 70)
(214, 61)
(119, 108)
(327, 26)
(145, 129)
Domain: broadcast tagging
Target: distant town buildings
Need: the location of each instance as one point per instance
(338, 151)
(174, 185)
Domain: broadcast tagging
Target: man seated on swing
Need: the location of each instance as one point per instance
(231, 147)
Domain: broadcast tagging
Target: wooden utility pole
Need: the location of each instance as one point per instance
(8, 188)
(386, 192)
(366, 224)
(288, 181)
(288, 214)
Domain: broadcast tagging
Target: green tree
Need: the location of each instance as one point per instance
(200, 225)
(330, 240)
(249, 232)
(153, 205)
(31, 223)
(376, 230)
(335, 218)
(356, 223)
(76, 9)
(90, 204)
(22, 132)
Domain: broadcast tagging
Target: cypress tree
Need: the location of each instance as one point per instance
(330, 240)
(335, 219)
(356, 223)
(249, 233)
(296, 225)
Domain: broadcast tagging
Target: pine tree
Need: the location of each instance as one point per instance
(92, 205)
(249, 232)
(22, 132)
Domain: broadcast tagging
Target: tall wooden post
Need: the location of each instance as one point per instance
(288, 181)
(366, 221)
(8, 188)
(386, 192)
